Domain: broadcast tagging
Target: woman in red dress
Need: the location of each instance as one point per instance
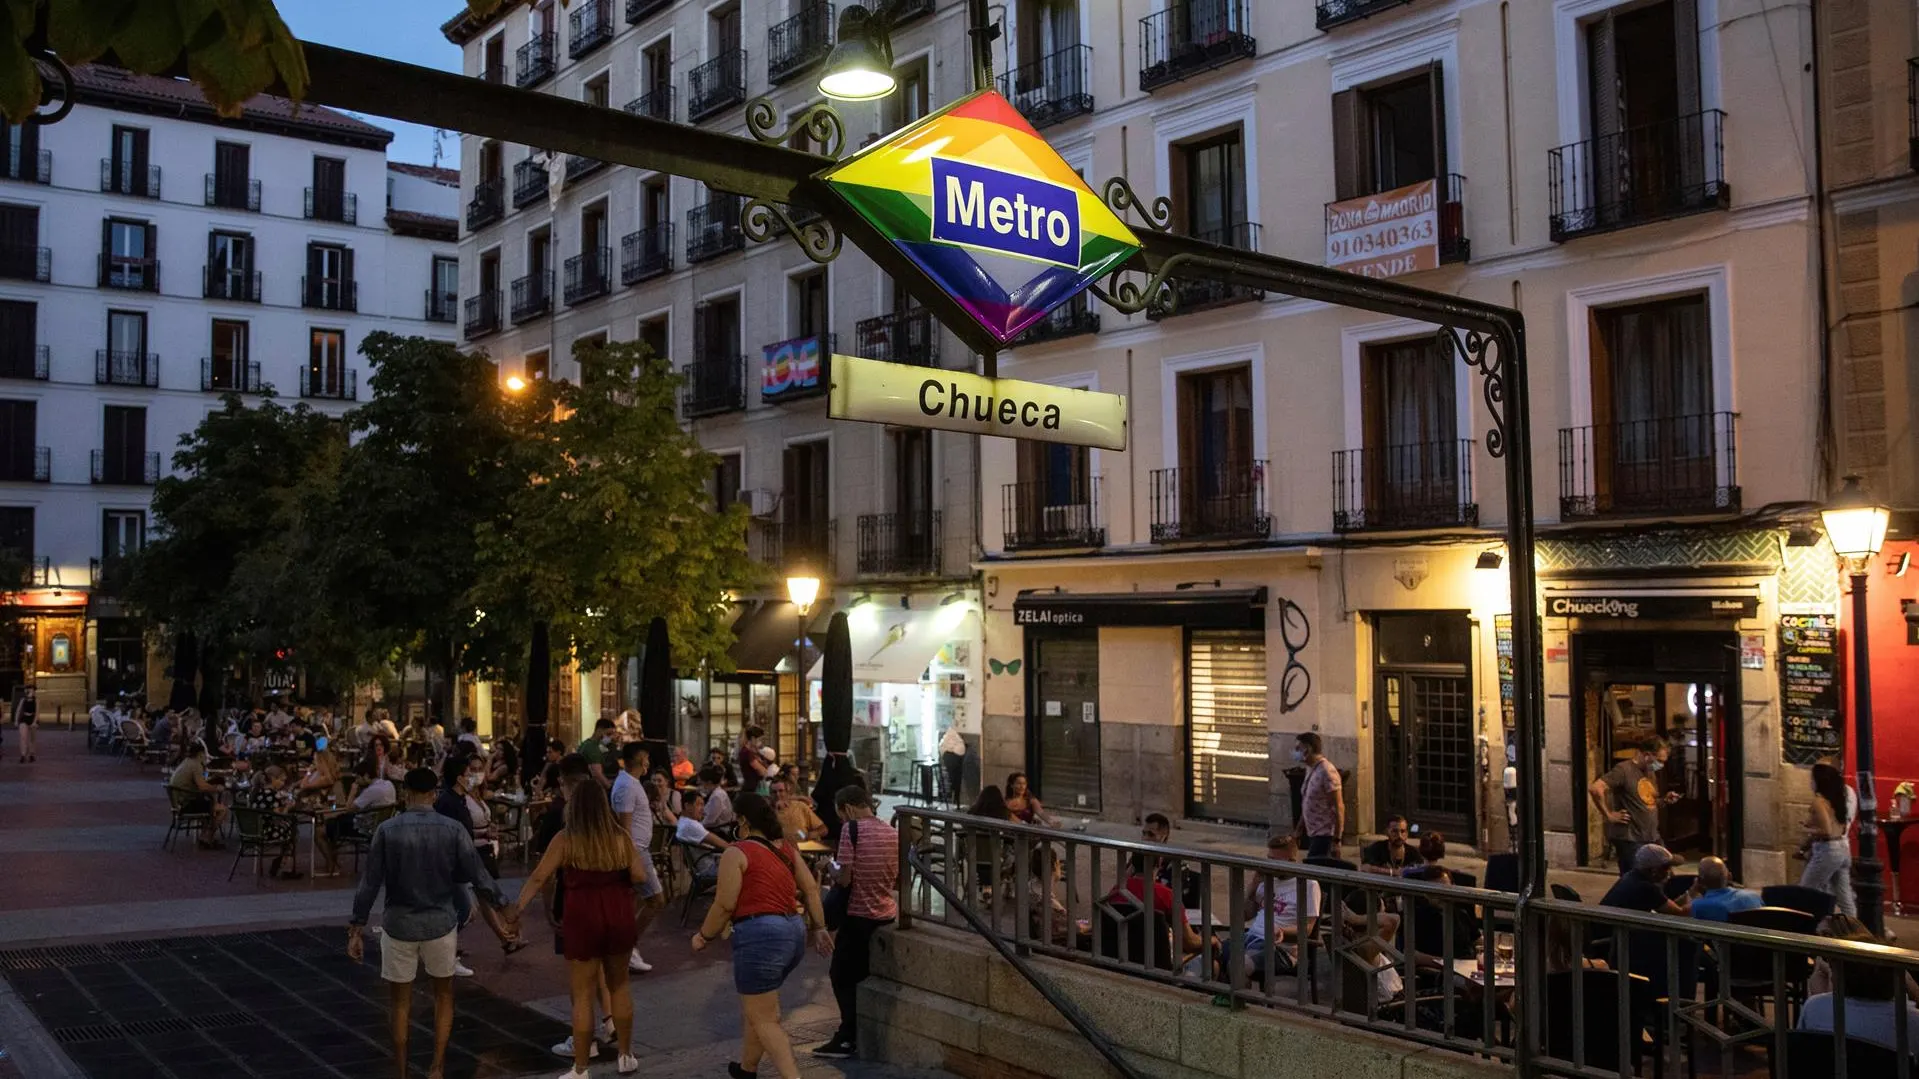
(597, 933)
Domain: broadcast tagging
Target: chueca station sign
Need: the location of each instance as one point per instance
(909, 396)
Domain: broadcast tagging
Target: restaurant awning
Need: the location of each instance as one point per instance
(1199, 608)
(763, 635)
(896, 644)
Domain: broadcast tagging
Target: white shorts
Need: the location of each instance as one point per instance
(649, 886)
(400, 960)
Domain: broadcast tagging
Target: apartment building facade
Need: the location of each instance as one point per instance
(560, 249)
(156, 258)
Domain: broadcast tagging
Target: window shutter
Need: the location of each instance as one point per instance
(213, 252)
(26, 431)
(1685, 29)
(1436, 83)
(1352, 153)
(346, 267)
(106, 248)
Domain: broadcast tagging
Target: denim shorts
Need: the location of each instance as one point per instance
(765, 951)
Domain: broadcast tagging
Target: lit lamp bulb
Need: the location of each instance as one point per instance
(860, 68)
(514, 383)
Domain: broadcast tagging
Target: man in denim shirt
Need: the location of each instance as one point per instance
(422, 859)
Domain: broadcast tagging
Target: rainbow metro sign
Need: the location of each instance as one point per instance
(991, 213)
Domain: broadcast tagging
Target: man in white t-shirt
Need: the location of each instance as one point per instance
(719, 805)
(635, 812)
(1287, 897)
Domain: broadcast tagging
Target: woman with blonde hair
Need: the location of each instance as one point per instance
(597, 935)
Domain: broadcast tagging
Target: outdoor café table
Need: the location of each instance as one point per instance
(1470, 970)
(316, 817)
(1216, 927)
(517, 813)
(814, 852)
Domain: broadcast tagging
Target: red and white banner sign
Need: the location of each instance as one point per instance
(1394, 232)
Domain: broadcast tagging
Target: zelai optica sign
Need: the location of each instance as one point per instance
(988, 210)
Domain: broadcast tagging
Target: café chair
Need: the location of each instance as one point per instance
(702, 867)
(1598, 1014)
(254, 831)
(1813, 1054)
(186, 821)
(1810, 900)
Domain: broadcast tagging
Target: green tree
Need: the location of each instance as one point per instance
(613, 523)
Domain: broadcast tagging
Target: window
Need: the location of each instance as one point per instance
(329, 280)
(1220, 484)
(126, 346)
(593, 231)
(1654, 428)
(123, 444)
(227, 369)
(127, 258)
(16, 530)
(446, 282)
(725, 485)
(492, 161)
(20, 153)
(1653, 151)
(911, 97)
(656, 72)
(536, 366)
(232, 175)
(913, 482)
(1057, 475)
(493, 59)
(329, 190)
(538, 248)
(19, 340)
(1389, 136)
(129, 175)
(655, 210)
(809, 316)
(1045, 27)
(19, 435)
(1210, 181)
(326, 364)
(230, 267)
(718, 329)
(490, 273)
(20, 243)
(803, 501)
(596, 90)
(122, 533)
(653, 334)
(723, 30)
(1411, 464)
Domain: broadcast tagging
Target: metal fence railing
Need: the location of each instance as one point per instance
(899, 544)
(532, 296)
(716, 84)
(799, 42)
(529, 183)
(1053, 88)
(909, 336)
(1418, 485)
(1188, 37)
(534, 62)
(589, 27)
(1224, 503)
(1669, 464)
(488, 203)
(1641, 174)
(1038, 514)
(589, 274)
(713, 228)
(482, 314)
(646, 253)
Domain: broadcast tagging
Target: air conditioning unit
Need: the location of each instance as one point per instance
(760, 502)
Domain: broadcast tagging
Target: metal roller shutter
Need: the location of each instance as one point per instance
(1226, 726)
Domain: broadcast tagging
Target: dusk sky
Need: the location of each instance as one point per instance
(406, 30)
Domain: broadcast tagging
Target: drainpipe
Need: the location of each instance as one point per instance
(1820, 206)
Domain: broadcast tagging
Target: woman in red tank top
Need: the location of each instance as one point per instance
(598, 932)
(769, 902)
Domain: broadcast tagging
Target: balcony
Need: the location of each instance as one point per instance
(1673, 465)
(640, 9)
(716, 85)
(911, 9)
(1421, 485)
(535, 61)
(1191, 37)
(329, 293)
(219, 375)
(25, 262)
(233, 193)
(112, 367)
(1331, 13)
(442, 306)
(713, 230)
(646, 254)
(795, 44)
(482, 314)
(781, 544)
(579, 168)
(1036, 515)
(713, 385)
(488, 203)
(108, 576)
(26, 164)
(529, 183)
(1640, 175)
(532, 297)
(218, 282)
(1210, 504)
(899, 544)
(589, 27)
(332, 204)
(588, 275)
(330, 384)
(19, 467)
(1190, 296)
(135, 469)
(127, 180)
(655, 104)
(1070, 319)
(909, 336)
(1053, 88)
(25, 361)
(128, 272)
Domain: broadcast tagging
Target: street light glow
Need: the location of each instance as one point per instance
(514, 383)
(803, 590)
(1855, 524)
(860, 68)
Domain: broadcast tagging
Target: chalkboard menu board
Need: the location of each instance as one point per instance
(1810, 723)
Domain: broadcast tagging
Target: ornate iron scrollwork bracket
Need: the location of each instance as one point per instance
(53, 71)
(819, 122)
(1120, 197)
(762, 220)
(1487, 355)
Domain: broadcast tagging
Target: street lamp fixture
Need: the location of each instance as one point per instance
(514, 384)
(802, 588)
(1856, 525)
(860, 67)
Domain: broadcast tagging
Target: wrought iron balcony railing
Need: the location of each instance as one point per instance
(442, 306)
(1070, 319)
(910, 336)
(713, 230)
(220, 282)
(535, 61)
(128, 272)
(646, 254)
(1642, 174)
(911, 9)
(529, 183)
(579, 168)
(899, 544)
(482, 314)
(21, 467)
(108, 576)
(332, 204)
(26, 262)
(532, 296)
(330, 383)
(1420, 485)
(588, 275)
(488, 203)
(795, 44)
(218, 375)
(113, 367)
(716, 85)
(1190, 37)
(1191, 295)
(233, 193)
(1053, 88)
(714, 385)
(589, 27)
(1331, 13)
(1037, 515)
(1216, 504)
(655, 104)
(22, 163)
(130, 469)
(127, 180)
(640, 9)
(784, 543)
(1670, 465)
(329, 293)
(25, 361)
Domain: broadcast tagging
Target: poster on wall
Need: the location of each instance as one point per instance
(1503, 648)
(1810, 724)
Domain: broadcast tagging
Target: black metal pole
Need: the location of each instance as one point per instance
(804, 751)
(1865, 871)
(979, 27)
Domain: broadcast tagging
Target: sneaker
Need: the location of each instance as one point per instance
(628, 1064)
(565, 1049)
(605, 1032)
(636, 964)
(576, 1073)
(461, 970)
(838, 1047)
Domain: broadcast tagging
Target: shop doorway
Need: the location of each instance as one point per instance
(1228, 752)
(1425, 767)
(1062, 719)
(1683, 687)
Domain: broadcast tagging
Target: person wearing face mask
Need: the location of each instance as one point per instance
(595, 748)
(1628, 797)
(1322, 800)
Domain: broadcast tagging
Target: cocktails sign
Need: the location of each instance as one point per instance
(988, 210)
